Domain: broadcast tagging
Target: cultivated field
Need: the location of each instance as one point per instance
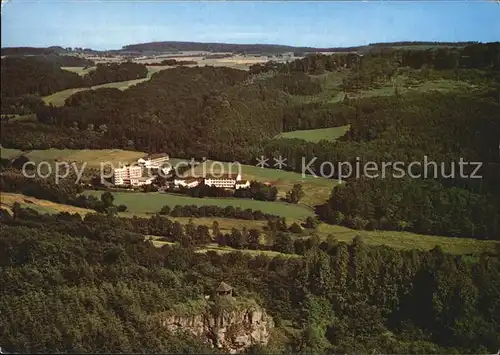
(316, 135)
(139, 202)
(238, 61)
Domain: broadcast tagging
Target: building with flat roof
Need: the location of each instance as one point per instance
(123, 175)
(222, 180)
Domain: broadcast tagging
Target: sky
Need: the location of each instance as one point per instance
(111, 24)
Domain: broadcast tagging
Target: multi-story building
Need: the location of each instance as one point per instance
(154, 160)
(222, 180)
(123, 175)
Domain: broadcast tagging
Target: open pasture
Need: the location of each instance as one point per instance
(315, 135)
(93, 158)
(8, 153)
(42, 206)
(152, 202)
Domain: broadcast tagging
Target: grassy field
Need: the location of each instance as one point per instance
(316, 135)
(442, 85)
(7, 153)
(139, 202)
(332, 91)
(59, 98)
(407, 240)
(79, 70)
(225, 224)
(317, 190)
(93, 158)
(42, 206)
(223, 250)
(393, 239)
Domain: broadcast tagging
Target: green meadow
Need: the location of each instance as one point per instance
(152, 202)
(316, 135)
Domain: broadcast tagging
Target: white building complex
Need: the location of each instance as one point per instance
(232, 181)
(125, 175)
(222, 180)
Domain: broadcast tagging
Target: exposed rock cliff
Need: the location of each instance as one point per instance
(229, 324)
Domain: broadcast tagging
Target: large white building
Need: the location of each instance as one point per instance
(124, 175)
(222, 180)
(154, 160)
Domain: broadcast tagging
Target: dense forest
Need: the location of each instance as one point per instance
(94, 285)
(66, 60)
(42, 75)
(7, 51)
(224, 47)
(271, 48)
(34, 75)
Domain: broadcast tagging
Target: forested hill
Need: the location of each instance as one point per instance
(272, 48)
(42, 75)
(93, 285)
(225, 47)
(31, 50)
(228, 114)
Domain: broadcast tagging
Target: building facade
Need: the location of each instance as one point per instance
(124, 175)
(222, 180)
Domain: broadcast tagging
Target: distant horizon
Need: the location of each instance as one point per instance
(242, 44)
(111, 25)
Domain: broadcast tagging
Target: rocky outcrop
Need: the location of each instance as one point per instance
(232, 329)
